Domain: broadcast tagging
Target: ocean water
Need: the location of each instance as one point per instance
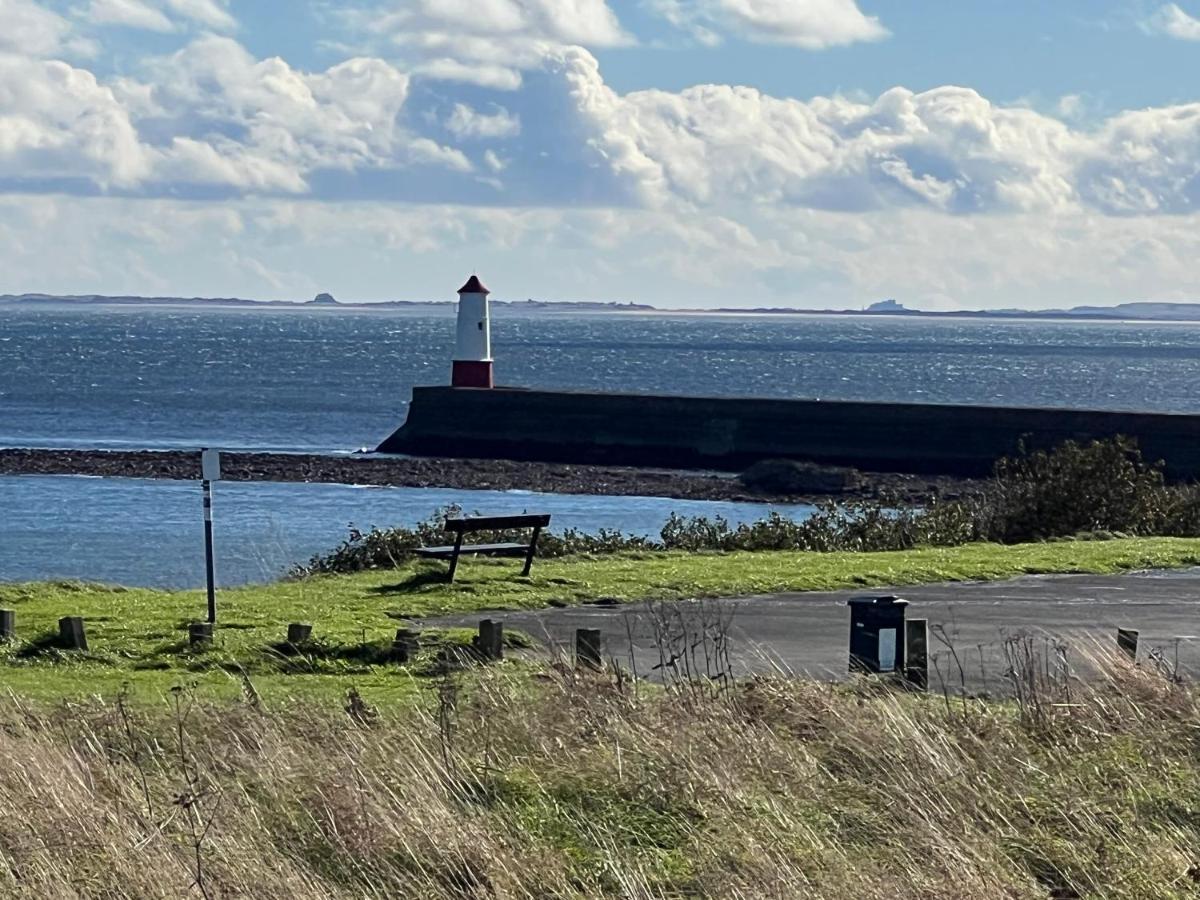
(151, 533)
(337, 381)
(340, 380)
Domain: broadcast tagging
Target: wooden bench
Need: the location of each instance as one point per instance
(468, 524)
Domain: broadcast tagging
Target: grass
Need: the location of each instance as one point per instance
(139, 636)
(584, 786)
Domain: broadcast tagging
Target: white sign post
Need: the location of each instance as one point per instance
(210, 471)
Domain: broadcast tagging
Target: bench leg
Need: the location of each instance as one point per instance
(454, 559)
(532, 550)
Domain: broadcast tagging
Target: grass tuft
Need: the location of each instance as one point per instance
(495, 784)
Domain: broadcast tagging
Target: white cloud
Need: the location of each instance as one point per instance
(152, 15)
(485, 42)
(465, 123)
(260, 124)
(1172, 21)
(714, 187)
(716, 145)
(128, 13)
(210, 115)
(589, 23)
(1145, 161)
(206, 12)
(290, 249)
(58, 123)
(497, 77)
(811, 24)
(31, 29)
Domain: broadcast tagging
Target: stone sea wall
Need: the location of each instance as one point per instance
(731, 433)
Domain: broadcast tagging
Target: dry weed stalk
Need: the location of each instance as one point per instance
(571, 785)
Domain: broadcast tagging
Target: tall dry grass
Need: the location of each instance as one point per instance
(558, 784)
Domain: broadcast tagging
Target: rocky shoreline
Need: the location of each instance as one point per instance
(462, 474)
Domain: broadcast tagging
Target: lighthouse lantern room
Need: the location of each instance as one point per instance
(473, 345)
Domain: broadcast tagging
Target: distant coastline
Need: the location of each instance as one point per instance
(1139, 311)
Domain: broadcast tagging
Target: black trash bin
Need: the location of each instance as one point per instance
(877, 634)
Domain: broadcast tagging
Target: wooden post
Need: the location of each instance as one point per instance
(71, 633)
(589, 648)
(299, 633)
(489, 644)
(916, 653)
(8, 625)
(405, 645)
(1127, 642)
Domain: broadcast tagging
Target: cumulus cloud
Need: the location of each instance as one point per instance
(589, 23)
(209, 115)
(31, 29)
(58, 124)
(1172, 21)
(465, 122)
(1145, 161)
(230, 119)
(811, 24)
(714, 145)
(213, 117)
(486, 42)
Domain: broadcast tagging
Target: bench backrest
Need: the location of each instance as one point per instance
(466, 524)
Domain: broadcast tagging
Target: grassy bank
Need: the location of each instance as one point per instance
(139, 636)
(581, 787)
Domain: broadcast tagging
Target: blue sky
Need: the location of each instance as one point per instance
(812, 153)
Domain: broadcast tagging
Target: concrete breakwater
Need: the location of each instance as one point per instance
(731, 433)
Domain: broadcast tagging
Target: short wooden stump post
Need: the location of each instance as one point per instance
(406, 644)
(1127, 642)
(200, 634)
(8, 625)
(916, 653)
(71, 633)
(489, 643)
(589, 649)
(299, 633)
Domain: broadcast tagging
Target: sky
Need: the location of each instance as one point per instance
(686, 153)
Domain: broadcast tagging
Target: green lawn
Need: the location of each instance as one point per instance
(139, 636)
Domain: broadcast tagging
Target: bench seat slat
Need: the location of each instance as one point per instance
(477, 549)
(468, 524)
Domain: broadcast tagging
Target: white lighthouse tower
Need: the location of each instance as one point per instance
(473, 345)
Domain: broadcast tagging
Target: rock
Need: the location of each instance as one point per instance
(789, 476)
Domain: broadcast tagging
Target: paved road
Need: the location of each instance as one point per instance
(807, 633)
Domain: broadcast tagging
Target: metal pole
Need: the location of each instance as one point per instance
(209, 565)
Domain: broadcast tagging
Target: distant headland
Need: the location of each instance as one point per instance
(1142, 311)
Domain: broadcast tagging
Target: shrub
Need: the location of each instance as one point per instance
(387, 548)
(1102, 485)
(1093, 489)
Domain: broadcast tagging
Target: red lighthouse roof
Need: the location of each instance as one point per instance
(473, 286)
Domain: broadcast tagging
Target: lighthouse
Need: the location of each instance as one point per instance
(473, 343)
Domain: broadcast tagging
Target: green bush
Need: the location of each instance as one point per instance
(1100, 486)
(1093, 489)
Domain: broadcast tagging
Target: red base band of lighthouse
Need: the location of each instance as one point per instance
(470, 373)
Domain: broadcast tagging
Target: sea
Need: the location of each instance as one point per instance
(337, 381)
